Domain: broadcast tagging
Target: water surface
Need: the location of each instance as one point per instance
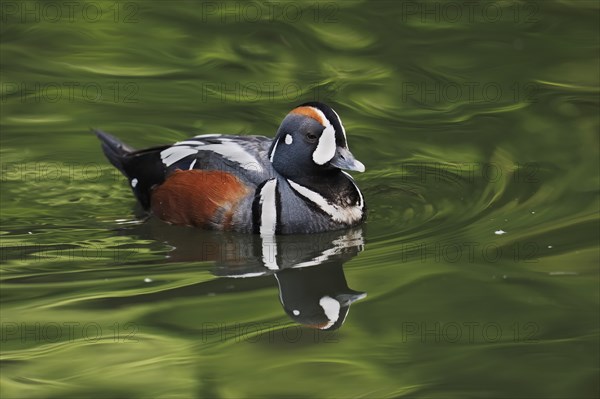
(478, 126)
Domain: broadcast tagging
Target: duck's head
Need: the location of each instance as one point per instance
(311, 140)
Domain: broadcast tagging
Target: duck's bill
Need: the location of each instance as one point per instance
(347, 299)
(343, 159)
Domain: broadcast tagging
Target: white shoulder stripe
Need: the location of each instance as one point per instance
(348, 214)
(228, 150)
(176, 153)
(236, 153)
(191, 143)
(268, 214)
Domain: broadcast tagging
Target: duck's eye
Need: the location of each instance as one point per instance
(311, 137)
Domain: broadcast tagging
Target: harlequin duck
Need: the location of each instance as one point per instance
(291, 184)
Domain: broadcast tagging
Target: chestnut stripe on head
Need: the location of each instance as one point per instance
(311, 112)
(333, 118)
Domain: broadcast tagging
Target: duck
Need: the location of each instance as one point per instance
(294, 183)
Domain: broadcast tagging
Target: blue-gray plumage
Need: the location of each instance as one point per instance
(291, 184)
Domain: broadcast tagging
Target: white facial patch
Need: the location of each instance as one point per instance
(134, 182)
(288, 139)
(331, 307)
(326, 147)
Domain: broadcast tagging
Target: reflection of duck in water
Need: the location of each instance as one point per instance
(308, 268)
(317, 296)
(309, 271)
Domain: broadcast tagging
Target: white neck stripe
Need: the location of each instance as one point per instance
(342, 214)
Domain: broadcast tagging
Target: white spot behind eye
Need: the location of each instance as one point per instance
(288, 139)
(296, 312)
(134, 182)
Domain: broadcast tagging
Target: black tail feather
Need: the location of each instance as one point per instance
(115, 150)
(144, 169)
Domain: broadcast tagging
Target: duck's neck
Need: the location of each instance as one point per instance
(336, 187)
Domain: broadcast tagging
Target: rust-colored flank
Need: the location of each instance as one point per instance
(198, 198)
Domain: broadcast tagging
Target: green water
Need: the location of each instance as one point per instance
(478, 125)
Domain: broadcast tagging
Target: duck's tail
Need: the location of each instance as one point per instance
(144, 168)
(115, 150)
